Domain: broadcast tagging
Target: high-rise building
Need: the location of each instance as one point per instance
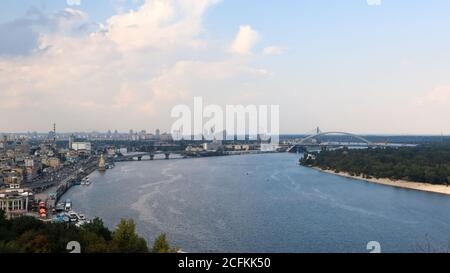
(71, 141)
(4, 142)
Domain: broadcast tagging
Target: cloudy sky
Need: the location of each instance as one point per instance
(362, 66)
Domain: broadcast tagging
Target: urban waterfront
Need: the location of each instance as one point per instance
(263, 203)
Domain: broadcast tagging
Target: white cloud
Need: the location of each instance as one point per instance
(127, 74)
(69, 19)
(73, 2)
(245, 40)
(160, 24)
(439, 95)
(71, 13)
(273, 50)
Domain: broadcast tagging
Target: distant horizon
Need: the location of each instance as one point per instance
(166, 132)
(356, 66)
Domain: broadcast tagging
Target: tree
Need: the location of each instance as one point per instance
(126, 240)
(97, 226)
(2, 217)
(162, 246)
(27, 234)
(95, 243)
(32, 242)
(428, 163)
(4, 228)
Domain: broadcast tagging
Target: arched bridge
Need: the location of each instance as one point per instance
(306, 142)
(335, 133)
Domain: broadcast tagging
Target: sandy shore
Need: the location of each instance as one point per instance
(396, 183)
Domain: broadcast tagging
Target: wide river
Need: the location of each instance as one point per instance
(263, 203)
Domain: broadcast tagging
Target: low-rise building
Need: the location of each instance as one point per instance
(10, 154)
(15, 201)
(269, 147)
(213, 146)
(81, 146)
(32, 167)
(194, 149)
(52, 162)
(165, 137)
(72, 156)
(111, 151)
(12, 176)
(310, 157)
(245, 147)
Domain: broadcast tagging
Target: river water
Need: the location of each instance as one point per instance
(263, 203)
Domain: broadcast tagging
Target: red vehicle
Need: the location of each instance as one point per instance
(42, 209)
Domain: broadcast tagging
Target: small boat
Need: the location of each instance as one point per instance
(80, 223)
(85, 181)
(68, 205)
(60, 207)
(59, 218)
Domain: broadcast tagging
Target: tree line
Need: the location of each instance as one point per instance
(31, 235)
(425, 163)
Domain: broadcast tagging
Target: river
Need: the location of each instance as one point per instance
(263, 203)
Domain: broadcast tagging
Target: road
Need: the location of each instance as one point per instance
(61, 176)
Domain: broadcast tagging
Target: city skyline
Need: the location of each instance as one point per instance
(367, 67)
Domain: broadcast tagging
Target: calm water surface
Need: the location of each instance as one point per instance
(263, 203)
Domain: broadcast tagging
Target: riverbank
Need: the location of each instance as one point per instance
(65, 185)
(442, 189)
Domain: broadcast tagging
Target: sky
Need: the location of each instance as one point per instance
(361, 66)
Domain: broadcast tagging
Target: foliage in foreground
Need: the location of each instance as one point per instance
(428, 163)
(30, 235)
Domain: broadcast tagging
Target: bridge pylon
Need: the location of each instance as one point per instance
(318, 131)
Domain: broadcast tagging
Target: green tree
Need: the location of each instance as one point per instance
(95, 243)
(28, 234)
(161, 245)
(97, 226)
(31, 242)
(126, 240)
(425, 163)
